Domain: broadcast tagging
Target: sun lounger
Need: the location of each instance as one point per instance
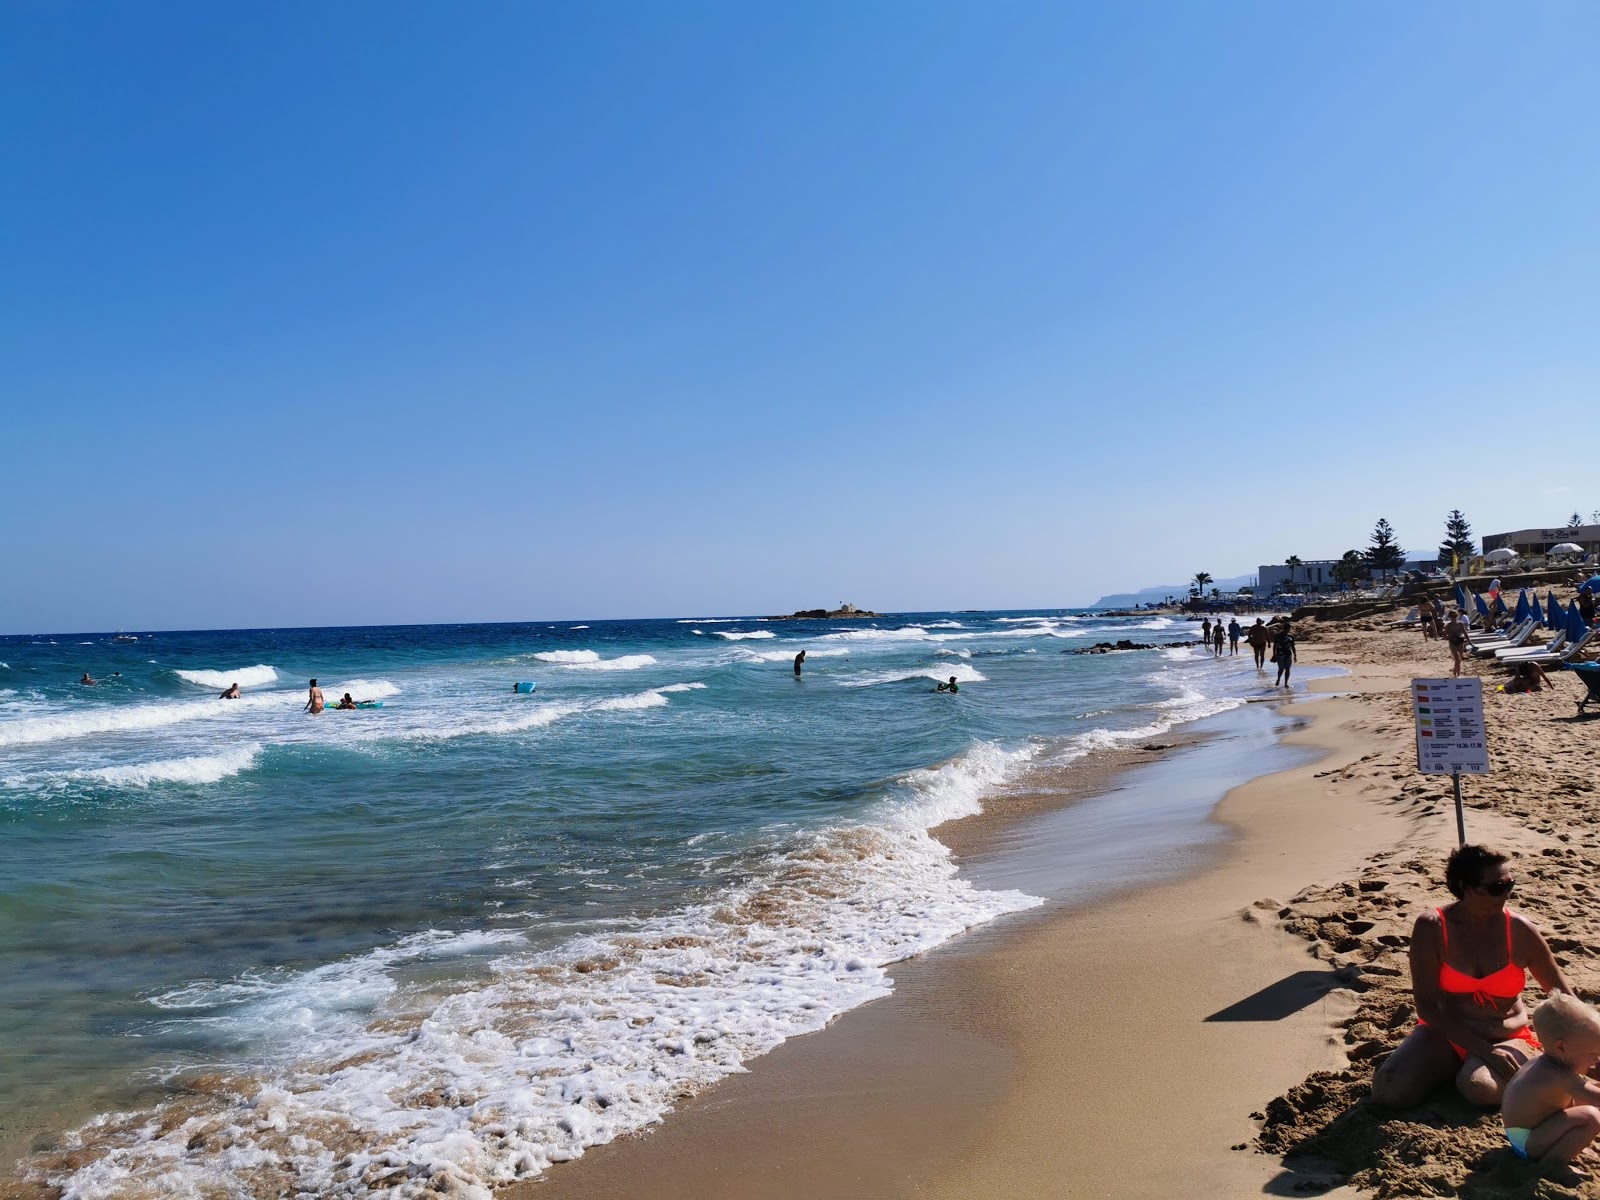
(1487, 649)
(1500, 635)
(1569, 656)
(1553, 646)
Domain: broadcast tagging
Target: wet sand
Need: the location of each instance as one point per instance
(1108, 1044)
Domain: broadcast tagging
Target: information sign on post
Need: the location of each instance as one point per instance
(1450, 735)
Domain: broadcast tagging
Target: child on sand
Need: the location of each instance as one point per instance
(1549, 1108)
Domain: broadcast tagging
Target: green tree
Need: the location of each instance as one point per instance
(1201, 578)
(1350, 569)
(1384, 553)
(1293, 562)
(1575, 520)
(1457, 539)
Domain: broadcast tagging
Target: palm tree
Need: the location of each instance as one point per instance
(1201, 578)
(1292, 562)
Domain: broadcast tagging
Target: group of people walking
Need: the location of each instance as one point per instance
(1278, 635)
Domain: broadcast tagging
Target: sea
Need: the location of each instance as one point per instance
(445, 942)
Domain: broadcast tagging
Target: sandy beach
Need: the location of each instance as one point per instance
(1131, 1047)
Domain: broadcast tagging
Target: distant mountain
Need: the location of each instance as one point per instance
(1154, 595)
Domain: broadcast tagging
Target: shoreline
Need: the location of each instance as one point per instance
(960, 1083)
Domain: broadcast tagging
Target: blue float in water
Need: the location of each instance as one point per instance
(526, 687)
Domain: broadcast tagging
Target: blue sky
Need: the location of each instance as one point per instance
(384, 312)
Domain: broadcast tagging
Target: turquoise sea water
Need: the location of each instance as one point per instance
(462, 936)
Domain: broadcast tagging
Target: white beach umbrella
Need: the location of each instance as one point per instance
(1500, 555)
(1567, 548)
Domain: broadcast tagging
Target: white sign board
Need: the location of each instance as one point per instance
(1450, 733)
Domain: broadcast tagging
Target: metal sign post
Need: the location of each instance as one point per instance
(1450, 733)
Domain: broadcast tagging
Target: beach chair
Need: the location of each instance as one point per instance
(1589, 674)
(1487, 649)
(1567, 657)
(1484, 636)
(1553, 646)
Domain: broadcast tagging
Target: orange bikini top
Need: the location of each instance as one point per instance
(1505, 984)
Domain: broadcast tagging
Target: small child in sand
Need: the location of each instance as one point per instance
(1550, 1107)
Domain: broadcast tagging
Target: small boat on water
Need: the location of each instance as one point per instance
(124, 637)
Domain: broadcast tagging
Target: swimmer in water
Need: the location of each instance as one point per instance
(314, 702)
(948, 687)
(231, 694)
(346, 701)
(87, 680)
(799, 661)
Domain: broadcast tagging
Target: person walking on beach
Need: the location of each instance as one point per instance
(1233, 636)
(1258, 637)
(1219, 637)
(314, 701)
(1205, 633)
(799, 661)
(1426, 614)
(1283, 654)
(1472, 1023)
(1455, 635)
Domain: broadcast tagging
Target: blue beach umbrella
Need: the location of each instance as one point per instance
(1499, 606)
(1483, 608)
(1461, 597)
(1575, 624)
(1522, 606)
(1592, 583)
(1538, 613)
(1553, 610)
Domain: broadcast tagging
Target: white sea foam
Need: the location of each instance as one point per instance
(257, 676)
(126, 718)
(201, 768)
(588, 660)
(963, 672)
(133, 718)
(577, 627)
(565, 1048)
(631, 703)
(708, 620)
(568, 657)
(771, 656)
(944, 625)
(681, 687)
(744, 635)
(908, 633)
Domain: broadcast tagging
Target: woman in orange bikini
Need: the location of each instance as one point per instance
(1469, 963)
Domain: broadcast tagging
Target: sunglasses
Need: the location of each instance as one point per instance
(1501, 887)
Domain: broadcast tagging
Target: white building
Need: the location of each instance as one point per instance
(1539, 541)
(1316, 575)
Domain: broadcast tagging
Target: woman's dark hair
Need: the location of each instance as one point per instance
(1467, 865)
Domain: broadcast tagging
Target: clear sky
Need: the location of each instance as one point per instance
(381, 312)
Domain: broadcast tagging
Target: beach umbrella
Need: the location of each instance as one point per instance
(1536, 611)
(1461, 597)
(1500, 555)
(1576, 626)
(1499, 605)
(1567, 548)
(1483, 608)
(1554, 614)
(1522, 606)
(1592, 583)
